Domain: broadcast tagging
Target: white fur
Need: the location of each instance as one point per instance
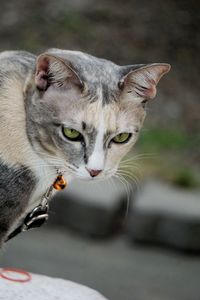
(96, 160)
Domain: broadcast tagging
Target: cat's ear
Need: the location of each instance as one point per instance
(52, 70)
(141, 82)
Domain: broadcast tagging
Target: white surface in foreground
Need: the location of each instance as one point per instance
(46, 288)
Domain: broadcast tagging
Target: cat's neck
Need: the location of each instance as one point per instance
(46, 175)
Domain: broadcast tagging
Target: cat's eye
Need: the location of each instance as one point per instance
(72, 134)
(122, 138)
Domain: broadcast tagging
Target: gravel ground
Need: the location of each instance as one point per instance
(115, 267)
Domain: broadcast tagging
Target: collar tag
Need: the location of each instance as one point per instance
(60, 183)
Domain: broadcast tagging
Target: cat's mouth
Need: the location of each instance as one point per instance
(85, 173)
(94, 175)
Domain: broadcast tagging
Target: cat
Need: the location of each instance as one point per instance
(65, 110)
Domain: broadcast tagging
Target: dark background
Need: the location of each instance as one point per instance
(126, 32)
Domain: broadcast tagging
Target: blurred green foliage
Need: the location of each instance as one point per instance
(186, 178)
(163, 139)
(169, 153)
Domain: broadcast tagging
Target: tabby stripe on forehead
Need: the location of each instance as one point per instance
(83, 125)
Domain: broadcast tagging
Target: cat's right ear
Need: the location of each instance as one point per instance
(141, 82)
(53, 71)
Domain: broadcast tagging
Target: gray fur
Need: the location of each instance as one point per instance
(95, 72)
(16, 184)
(38, 96)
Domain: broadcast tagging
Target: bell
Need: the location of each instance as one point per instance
(60, 183)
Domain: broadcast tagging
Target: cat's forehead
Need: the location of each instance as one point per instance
(109, 118)
(91, 69)
(96, 115)
(92, 112)
(101, 99)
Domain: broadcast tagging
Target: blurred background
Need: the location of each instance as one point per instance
(139, 239)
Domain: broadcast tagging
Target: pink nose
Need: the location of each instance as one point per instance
(94, 173)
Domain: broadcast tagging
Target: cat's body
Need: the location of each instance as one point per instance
(18, 179)
(64, 110)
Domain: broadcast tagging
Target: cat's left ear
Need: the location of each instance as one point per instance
(141, 82)
(53, 71)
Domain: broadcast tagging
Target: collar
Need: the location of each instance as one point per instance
(39, 215)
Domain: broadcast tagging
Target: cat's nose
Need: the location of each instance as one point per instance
(94, 173)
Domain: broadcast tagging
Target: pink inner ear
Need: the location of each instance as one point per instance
(142, 84)
(143, 81)
(41, 80)
(147, 91)
(41, 73)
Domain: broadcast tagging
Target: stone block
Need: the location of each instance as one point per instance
(92, 208)
(162, 214)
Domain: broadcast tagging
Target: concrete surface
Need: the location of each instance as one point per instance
(93, 208)
(114, 267)
(157, 196)
(160, 213)
(167, 215)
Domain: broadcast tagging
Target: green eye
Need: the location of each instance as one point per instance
(122, 137)
(72, 134)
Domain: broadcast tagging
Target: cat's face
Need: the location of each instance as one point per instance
(86, 113)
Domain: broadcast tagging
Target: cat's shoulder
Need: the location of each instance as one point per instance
(15, 67)
(16, 61)
(16, 55)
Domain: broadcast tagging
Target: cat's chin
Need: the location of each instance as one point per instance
(89, 178)
(102, 177)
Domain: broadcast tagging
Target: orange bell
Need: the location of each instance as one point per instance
(60, 183)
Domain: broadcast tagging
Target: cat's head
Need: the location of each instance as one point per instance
(86, 113)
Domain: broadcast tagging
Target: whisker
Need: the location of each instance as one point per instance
(127, 188)
(130, 176)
